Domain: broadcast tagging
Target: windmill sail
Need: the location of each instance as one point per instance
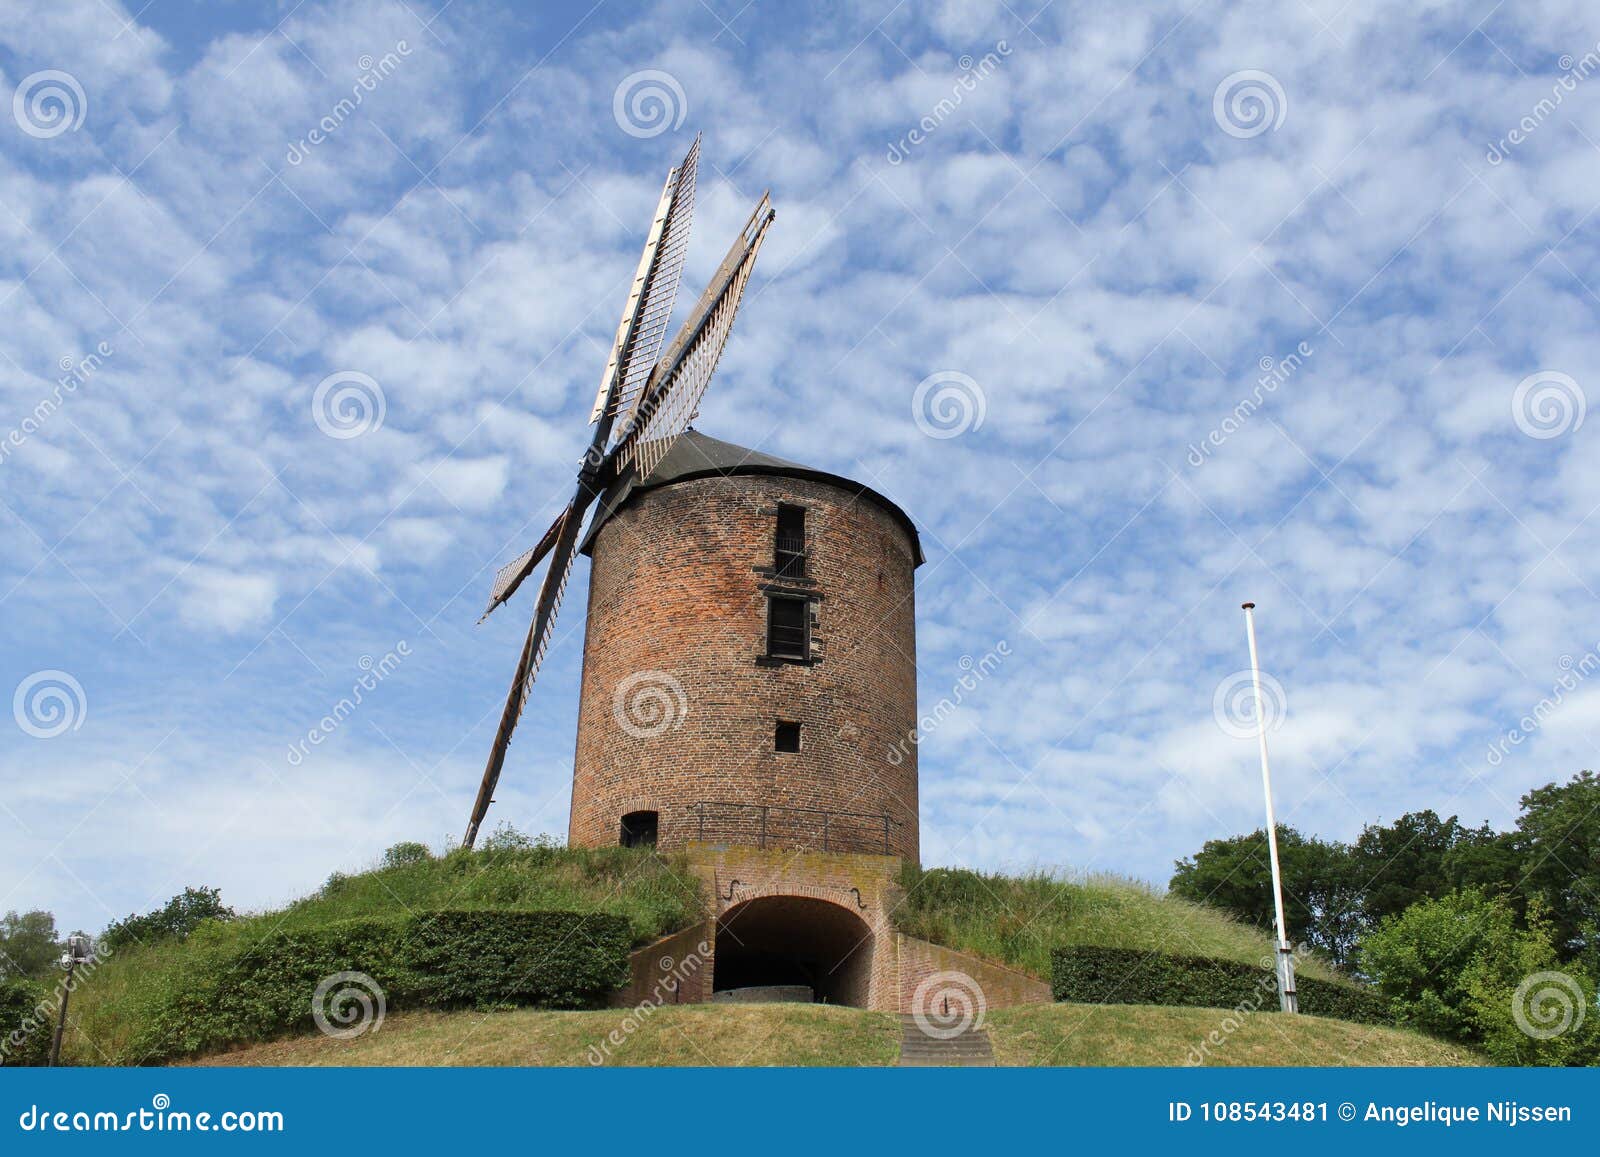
(656, 401)
(655, 289)
(509, 577)
(669, 400)
(533, 651)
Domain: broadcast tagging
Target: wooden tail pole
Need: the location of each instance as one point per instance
(1287, 1000)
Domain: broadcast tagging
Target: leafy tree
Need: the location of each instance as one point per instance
(180, 916)
(1558, 839)
(1419, 959)
(28, 944)
(1529, 1009)
(1322, 895)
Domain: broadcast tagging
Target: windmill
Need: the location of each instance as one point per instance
(643, 404)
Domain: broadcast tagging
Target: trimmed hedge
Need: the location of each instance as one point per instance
(1097, 975)
(225, 993)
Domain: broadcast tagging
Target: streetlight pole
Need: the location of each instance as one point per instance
(1287, 1000)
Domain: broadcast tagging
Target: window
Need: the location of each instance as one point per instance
(788, 627)
(786, 737)
(789, 548)
(639, 829)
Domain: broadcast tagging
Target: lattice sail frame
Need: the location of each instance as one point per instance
(671, 398)
(655, 290)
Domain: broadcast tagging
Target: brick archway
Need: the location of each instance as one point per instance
(796, 940)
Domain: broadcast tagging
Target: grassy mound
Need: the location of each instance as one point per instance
(135, 997)
(1139, 1034)
(694, 1034)
(1018, 920)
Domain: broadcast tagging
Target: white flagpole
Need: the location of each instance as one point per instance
(1286, 994)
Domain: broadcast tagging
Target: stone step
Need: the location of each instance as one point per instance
(969, 1049)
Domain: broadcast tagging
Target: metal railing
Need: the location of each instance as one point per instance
(798, 828)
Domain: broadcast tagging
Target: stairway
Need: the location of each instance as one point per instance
(970, 1049)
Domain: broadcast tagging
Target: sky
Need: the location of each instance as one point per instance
(1140, 312)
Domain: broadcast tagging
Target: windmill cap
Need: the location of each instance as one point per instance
(696, 455)
(1247, 606)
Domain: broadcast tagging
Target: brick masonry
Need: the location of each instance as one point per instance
(891, 967)
(679, 703)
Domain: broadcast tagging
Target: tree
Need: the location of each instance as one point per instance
(1419, 959)
(1322, 897)
(28, 944)
(1558, 839)
(180, 916)
(1423, 857)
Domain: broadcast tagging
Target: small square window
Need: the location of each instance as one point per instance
(786, 737)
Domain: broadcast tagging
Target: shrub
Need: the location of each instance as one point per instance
(1461, 966)
(1099, 975)
(226, 992)
(404, 853)
(27, 1021)
(178, 919)
(560, 959)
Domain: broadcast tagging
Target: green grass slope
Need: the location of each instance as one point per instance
(1017, 920)
(655, 894)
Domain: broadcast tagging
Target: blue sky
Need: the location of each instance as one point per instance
(1094, 251)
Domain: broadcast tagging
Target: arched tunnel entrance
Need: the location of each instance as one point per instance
(795, 941)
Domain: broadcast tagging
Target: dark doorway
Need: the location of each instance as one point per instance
(795, 940)
(639, 829)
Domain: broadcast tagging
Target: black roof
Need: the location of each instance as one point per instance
(697, 455)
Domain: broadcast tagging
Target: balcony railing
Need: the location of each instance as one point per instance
(797, 828)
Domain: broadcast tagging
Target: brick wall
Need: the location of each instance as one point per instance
(674, 970)
(998, 986)
(677, 621)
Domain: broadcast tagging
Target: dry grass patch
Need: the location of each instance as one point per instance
(754, 1035)
(1140, 1034)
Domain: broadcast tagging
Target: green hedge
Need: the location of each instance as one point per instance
(1095, 975)
(225, 993)
(27, 1022)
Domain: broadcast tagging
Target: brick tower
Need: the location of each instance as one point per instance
(749, 687)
